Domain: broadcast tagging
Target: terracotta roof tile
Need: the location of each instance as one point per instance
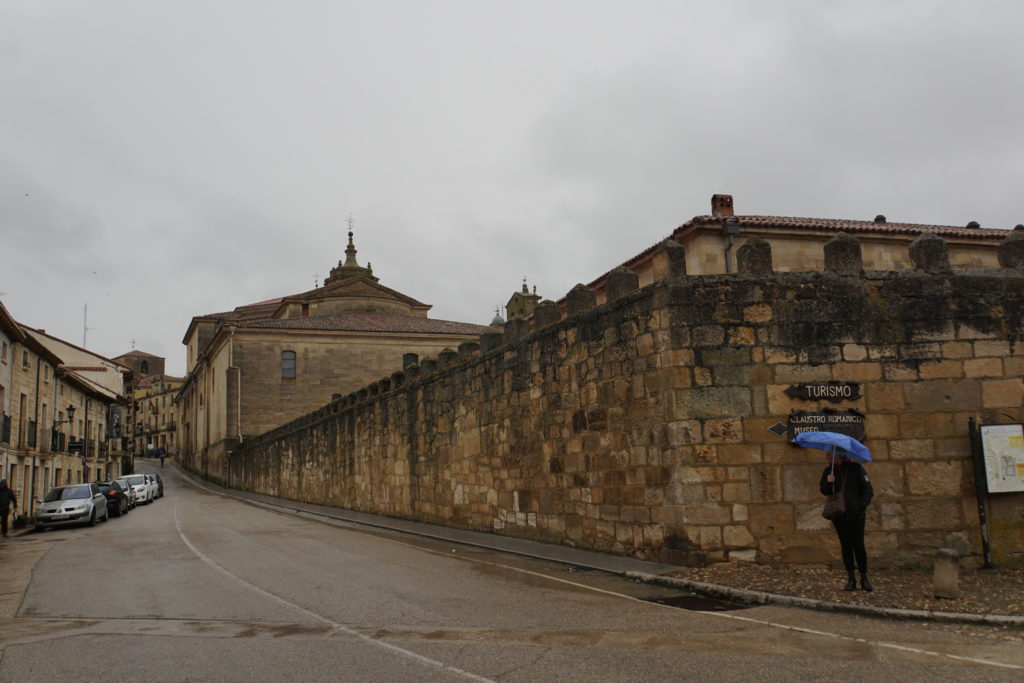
(837, 224)
(370, 322)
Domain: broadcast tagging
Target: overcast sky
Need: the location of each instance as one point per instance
(160, 160)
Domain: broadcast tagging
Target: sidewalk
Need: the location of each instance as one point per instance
(986, 597)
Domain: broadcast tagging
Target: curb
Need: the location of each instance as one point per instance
(709, 590)
(751, 597)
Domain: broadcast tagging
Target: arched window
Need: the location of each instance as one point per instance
(287, 365)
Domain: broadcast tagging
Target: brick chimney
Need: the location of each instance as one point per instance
(721, 205)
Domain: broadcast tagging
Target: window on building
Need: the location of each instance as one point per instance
(287, 365)
(3, 353)
(145, 367)
(24, 359)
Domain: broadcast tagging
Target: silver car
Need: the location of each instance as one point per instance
(129, 491)
(72, 504)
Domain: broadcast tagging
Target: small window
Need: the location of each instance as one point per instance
(287, 365)
(24, 359)
(145, 367)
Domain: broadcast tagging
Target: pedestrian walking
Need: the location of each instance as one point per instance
(8, 501)
(850, 479)
(161, 460)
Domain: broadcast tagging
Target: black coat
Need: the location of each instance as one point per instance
(858, 491)
(7, 498)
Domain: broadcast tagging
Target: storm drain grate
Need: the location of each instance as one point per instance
(696, 604)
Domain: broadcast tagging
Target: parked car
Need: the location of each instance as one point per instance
(154, 489)
(72, 504)
(129, 491)
(117, 499)
(142, 487)
(159, 485)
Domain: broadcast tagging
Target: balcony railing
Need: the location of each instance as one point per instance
(5, 429)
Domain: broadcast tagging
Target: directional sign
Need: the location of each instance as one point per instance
(836, 392)
(76, 446)
(849, 422)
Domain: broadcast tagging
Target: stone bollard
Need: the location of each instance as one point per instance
(946, 577)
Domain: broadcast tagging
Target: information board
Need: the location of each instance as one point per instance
(1003, 453)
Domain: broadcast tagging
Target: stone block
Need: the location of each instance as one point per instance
(1006, 393)
(683, 432)
(707, 513)
(800, 482)
(737, 536)
(946, 574)
(805, 554)
(739, 454)
(854, 353)
(757, 313)
(843, 255)
(983, 367)
(712, 402)
(943, 395)
(705, 336)
(579, 299)
(808, 517)
(883, 397)
(736, 492)
(992, 348)
(912, 449)
(857, 372)
(765, 484)
(887, 479)
(729, 430)
(942, 514)
(754, 257)
(941, 369)
(771, 520)
(794, 374)
(620, 282)
(935, 478)
(930, 254)
(748, 555)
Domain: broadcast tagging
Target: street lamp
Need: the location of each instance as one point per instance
(70, 410)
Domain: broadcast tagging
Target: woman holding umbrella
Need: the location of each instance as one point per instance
(845, 473)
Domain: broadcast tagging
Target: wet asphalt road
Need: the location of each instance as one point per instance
(197, 586)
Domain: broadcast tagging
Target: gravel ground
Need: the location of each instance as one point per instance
(999, 591)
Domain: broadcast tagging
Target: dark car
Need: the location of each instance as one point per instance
(118, 502)
(159, 485)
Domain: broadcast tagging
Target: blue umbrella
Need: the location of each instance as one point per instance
(834, 443)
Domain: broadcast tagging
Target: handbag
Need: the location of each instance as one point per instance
(835, 503)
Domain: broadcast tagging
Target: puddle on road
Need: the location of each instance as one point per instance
(696, 604)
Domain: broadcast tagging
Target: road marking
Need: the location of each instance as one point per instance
(340, 627)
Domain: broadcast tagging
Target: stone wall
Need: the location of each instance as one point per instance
(641, 426)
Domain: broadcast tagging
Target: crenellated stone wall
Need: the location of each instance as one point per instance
(641, 426)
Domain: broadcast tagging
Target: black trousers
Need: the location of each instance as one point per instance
(851, 540)
(3, 521)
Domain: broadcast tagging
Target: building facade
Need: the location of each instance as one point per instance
(57, 422)
(151, 426)
(254, 368)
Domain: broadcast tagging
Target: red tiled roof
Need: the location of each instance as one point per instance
(839, 224)
(370, 322)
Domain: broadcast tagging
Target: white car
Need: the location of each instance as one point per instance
(143, 487)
